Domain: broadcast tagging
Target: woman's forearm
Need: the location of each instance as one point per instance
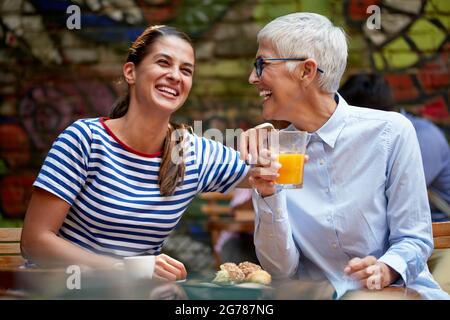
(49, 250)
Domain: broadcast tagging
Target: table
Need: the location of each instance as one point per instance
(18, 283)
(389, 293)
(322, 290)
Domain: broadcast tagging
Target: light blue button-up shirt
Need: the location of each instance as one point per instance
(364, 194)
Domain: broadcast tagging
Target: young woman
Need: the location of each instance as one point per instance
(112, 187)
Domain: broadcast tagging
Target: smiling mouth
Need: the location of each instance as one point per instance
(266, 94)
(167, 90)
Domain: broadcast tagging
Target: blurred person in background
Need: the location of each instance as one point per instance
(372, 91)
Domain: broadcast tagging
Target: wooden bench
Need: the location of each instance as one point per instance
(217, 204)
(441, 235)
(10, 255)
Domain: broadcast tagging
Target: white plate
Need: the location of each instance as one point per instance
(251, 285)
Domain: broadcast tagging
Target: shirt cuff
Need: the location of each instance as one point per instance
(271, 208)
(398, 264)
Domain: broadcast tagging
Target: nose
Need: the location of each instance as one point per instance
(175, 75)
(253, 78)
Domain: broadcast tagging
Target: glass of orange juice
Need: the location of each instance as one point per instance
(289, 148)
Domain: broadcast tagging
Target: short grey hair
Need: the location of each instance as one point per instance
(310, 35)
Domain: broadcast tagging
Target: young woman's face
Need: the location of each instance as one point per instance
(278, 88)
(163, 79)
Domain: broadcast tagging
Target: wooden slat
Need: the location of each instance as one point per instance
(9, 248)
(244, 215)
(10, 255)
(10, 234)
(214, 209)
(441, 229)
(441, 235)
(442, 242)
(215, 196)
(11, 261)
(234, 226)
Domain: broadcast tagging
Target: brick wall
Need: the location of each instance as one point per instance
(51, 76)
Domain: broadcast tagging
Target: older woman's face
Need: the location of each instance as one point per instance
(279, 90)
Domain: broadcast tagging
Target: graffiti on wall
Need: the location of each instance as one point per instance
(36, 108)
(51, 76)
(46, 108)
(412, 49)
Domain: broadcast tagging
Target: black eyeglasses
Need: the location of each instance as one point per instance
(259, 64)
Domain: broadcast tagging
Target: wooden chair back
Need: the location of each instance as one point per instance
(217, 204)
(441, 235)
(221, 217)
(10, 255)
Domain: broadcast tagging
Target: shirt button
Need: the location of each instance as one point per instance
(329, 218)
(321, 162)
(327, 190)
(334, 245)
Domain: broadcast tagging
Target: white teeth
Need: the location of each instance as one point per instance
(265, 93)
(168, 90)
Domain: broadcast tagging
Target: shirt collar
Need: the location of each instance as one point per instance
(330, 131)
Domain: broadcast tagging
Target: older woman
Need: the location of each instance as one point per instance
(362, 217)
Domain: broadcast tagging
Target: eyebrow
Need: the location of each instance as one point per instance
(163, 55)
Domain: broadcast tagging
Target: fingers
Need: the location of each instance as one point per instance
(259, 183)
(357, 264)
(243, 146)
(177, 264)
(375, 280)
(360, 275)
(254, 140)
(265, 125)
(253, 145)
(264, 187)
(266, 173)
(263, 176)
(350, 265)
(161, 273)
(169, 268)
(267, 159)
(366, 271)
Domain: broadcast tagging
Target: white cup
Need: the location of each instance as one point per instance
(140, 267)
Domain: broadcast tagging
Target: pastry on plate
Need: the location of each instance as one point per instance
(229, 273)
(259, 276)
(248, 267)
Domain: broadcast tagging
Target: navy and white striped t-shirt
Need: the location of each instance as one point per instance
(116, 205)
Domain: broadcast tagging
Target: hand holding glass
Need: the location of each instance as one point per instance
(289, 147)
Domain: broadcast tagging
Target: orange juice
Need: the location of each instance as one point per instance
(291, 171)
